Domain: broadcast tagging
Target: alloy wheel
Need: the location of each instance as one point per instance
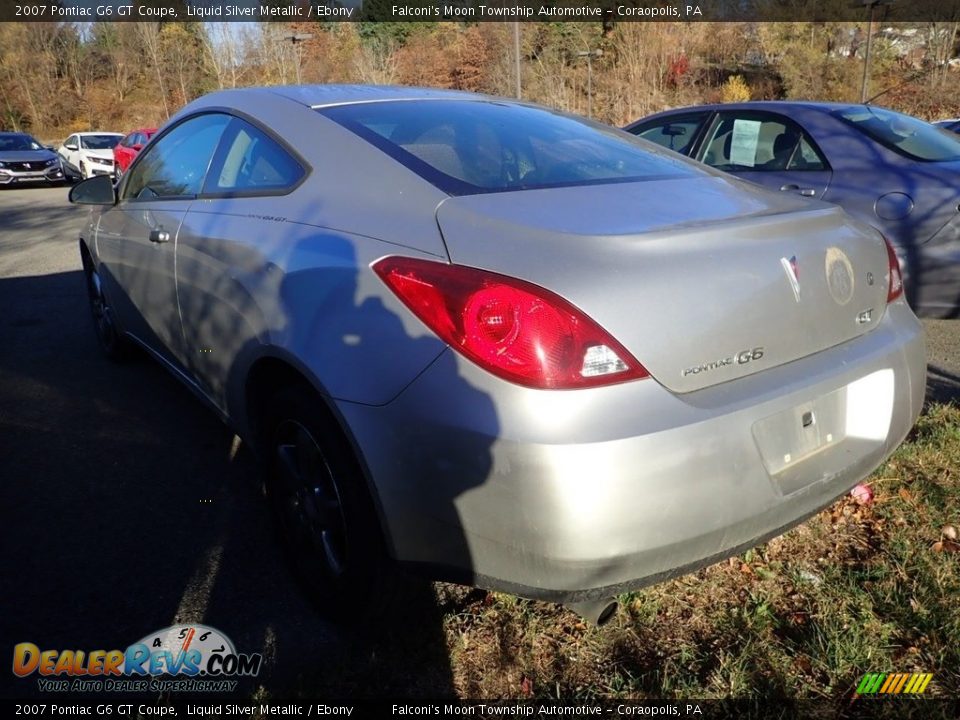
(307, 500)
(102, 312)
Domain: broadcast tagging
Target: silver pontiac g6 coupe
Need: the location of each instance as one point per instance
(498, 344)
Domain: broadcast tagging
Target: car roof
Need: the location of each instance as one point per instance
(770, 105)
(316, 96)
(85, 134)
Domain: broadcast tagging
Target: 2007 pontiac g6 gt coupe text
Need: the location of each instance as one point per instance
(499, 344)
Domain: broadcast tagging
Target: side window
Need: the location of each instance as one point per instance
(177, 164)
(807, 157)
(675, 133)
(759, 141)
(249, 161)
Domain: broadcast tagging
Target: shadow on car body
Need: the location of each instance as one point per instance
(129, 507)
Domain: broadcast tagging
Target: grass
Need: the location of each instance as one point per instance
(856, 589)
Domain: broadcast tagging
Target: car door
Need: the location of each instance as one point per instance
(678, 131)
(68, 152)
(137, 141)
(121, 153)
(767, 148)
(136, 239)
(221, 260)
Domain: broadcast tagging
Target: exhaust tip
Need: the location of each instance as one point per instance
(598, 612)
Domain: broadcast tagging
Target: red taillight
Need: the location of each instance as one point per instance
(895, 288)
(511, 328)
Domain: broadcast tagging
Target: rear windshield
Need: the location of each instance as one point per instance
(100, 142)
(466, 147)
(902, 133)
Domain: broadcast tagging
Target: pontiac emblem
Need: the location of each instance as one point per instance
(791, 268)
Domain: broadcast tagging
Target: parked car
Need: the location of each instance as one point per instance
(24, 160)
(88, 153)
(127, 149)
(951, 125)
(890, 170)
(499, 344)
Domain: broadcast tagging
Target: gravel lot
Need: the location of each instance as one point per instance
(124, 509)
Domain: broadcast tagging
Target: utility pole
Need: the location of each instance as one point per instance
(516, 57)
(296, 39)
(872, 5)
(589, 55)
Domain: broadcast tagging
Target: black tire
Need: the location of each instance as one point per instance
(109, 336)
(323, 510)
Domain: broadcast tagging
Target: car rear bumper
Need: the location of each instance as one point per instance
(581, 494)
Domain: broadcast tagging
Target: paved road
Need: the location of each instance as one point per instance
(123, 508)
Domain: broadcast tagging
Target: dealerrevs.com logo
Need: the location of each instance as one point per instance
(189, 658)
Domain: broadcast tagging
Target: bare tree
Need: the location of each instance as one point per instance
(149, 36)
(377, 63)
(224, 46)
(121, 52)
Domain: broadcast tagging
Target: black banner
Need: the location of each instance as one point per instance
(480, 10)
(773, 709)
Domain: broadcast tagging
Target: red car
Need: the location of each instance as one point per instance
(128, 148)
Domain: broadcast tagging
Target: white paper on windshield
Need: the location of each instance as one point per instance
(743, 146)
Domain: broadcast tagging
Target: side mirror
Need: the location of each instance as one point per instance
(97, 190)
(138, 147)
(51, 148)
(71, 146)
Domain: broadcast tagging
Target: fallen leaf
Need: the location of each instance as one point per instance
(746, 569)
(905, 494)
(526, 685)
(937, 546)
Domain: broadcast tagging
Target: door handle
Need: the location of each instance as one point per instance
(806, 192)
(159, 236)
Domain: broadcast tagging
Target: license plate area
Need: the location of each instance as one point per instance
(855, 418)
(793, 435)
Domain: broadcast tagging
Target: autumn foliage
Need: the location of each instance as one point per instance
(56, 78)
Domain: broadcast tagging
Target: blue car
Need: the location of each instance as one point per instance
(893, 171)
(951, 125)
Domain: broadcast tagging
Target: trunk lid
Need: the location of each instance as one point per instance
(704, 280)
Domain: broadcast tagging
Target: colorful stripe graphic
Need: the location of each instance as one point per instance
(894, 683)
